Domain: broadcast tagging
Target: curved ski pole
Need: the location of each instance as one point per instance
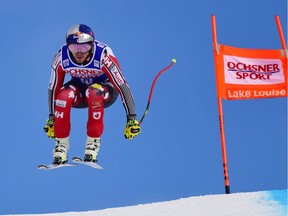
(152, 88)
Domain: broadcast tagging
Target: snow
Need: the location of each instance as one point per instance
(263, 203)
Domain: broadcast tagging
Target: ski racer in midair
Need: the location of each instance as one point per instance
(96, 81)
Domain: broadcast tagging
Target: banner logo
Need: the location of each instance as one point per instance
(248, 71)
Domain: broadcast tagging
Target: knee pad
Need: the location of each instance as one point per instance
(66, 94)
(95, 91)
(108, 93)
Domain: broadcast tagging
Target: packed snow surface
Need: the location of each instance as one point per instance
(264, 203)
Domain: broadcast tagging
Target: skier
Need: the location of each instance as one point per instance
(96, 81)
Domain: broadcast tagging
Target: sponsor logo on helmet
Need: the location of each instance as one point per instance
(77, 35)
(83, 37)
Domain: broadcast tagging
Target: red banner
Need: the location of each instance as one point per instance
(250, 73)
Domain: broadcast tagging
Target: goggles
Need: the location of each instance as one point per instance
(82, 48)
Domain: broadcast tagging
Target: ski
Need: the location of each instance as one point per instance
(90, 164)
(54, 166)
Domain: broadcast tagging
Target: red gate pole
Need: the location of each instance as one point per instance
(283, 43)
(279, 27)
(220, 113)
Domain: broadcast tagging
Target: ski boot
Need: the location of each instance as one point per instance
(60, 150)
(92, 148)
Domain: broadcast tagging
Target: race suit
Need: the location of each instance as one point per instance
(95, 85)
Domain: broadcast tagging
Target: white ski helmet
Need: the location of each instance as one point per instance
(79, 33)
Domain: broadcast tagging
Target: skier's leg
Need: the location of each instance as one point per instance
(98, 97)
(95, 126)
(67, 96)
(95, 98)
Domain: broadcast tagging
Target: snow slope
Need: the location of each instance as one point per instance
(264, 203)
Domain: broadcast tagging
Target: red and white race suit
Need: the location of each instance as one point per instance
(95, 85)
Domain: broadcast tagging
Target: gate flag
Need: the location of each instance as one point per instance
(247, 74)
(250, 73)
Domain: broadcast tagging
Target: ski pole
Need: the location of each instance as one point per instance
(152, 88)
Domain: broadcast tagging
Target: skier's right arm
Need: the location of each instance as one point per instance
(56, 82)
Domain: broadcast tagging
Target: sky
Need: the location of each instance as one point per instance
(178, 153)
(263, 203)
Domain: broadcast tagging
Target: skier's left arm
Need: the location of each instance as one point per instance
(112, 69)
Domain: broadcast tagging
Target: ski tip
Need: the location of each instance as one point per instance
(99, 167)
(42, 167)
(54, 166)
